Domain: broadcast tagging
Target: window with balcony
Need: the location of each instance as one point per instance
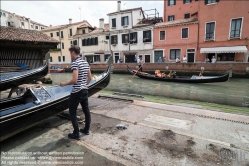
(210, 31)
(184, 33)
(174, 53)
(133, 37)
(171, 2)
(51, 34)
(211, 1)
(171, 18)
(187, 15)
(57, 34)
(114, 39)
(124, 21)
(187, 1)
(125, 38)
(147, 36)
(235, 29)
(162, 35)
(114, 23)
(70, 32)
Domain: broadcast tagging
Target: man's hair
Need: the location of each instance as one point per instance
(76, 49)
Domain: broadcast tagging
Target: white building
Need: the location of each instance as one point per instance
(94, 43)
(131, 35)
(17, 21)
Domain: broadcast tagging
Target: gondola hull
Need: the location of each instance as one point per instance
(38, 104)
(193, 79)
(18, 78)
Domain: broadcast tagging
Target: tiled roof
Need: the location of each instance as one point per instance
(127, 10)
(141, 25)
(177, 22)
(96, 31)
(18, 34)
(65, 25)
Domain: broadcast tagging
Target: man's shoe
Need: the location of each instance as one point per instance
(74, 136)
(86, 132)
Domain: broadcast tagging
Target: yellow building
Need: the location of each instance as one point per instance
(64, 34)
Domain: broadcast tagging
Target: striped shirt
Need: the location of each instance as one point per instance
(82, 67)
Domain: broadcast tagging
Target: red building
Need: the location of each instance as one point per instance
(203, 29)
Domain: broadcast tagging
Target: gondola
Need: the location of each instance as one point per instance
(15, 79)
(39, 103)
(181, 79)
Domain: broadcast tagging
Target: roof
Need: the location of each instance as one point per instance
(177, 22)
(21, 17)
(127, 10)
(66, 25)
(141, 25)
(18, 34)
(95, 31)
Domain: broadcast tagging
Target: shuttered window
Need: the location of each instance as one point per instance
(171, 2)
(147, 36)
(114, 22)
(133, 37)
(114, 39)
(184, 33)
(125, 38)
(124, 21)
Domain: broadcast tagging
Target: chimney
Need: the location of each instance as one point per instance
(101, 23)
(119, 5)
(70, 21)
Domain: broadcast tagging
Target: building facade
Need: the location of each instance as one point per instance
(17, 21)
(64, 34)
(203, 29)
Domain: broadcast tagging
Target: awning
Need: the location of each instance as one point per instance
(232, 49)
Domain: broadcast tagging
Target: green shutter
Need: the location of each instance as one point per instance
(122, 21)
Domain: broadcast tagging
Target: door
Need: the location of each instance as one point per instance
(157, 55)
(191, 57)
(147, 58)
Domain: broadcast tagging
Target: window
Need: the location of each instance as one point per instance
(71, 42)
(171, 18)
(22, 23)
(0, 14)
(42, 28)
(174, 53)
(125, 38)
(59, 58)
(61, 34)
(147, 58)
(106, 37)
(184, 33)
(51, 59)
(9, 24)
(187, 1)
(63, 59)
(96, 41)
(82, 42)
(107, 56)
(83, 31)
(75, 42)
(32, 26)
(210, 31)
(171, 2)
(235, 30)
(58, 46)
(211, 1)
(187, 15)
(62, 45)
(162, 35)
(70, 32)
(147, 36)
(36, 27)
(96, 58)
(51, 34)
(4, 14)
(225, 56)
(57, 33)
(133, 37)
(114, 22)
(124, 21)
(196, 0)
(114, 39)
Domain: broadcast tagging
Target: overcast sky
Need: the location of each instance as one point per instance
(58, 12)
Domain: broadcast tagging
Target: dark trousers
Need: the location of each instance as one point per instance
(140, 68)
(74, 100)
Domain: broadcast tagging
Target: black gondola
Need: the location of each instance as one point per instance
(37, 104)
(15, 79)
(182, 79)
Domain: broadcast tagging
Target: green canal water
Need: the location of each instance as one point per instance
(234, 92)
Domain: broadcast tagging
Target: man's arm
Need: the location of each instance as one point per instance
(89, 76)
(73, 80)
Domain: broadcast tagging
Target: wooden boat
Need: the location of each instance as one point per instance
(39, 103)
(193, 79)
(18, 78)
(56, 69)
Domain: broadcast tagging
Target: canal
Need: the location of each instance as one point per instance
(234, 92)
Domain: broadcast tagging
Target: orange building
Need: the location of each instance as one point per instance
(203, 29)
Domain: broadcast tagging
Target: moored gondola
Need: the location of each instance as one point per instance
(39, 103)
(182, 79)
(15, 79)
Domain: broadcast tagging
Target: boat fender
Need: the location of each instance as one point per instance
(37, 102)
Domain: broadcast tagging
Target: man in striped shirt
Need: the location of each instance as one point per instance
(81, 77)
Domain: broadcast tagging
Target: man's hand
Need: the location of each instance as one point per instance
(63, 84)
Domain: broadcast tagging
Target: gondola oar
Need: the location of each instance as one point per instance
(136, 72)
